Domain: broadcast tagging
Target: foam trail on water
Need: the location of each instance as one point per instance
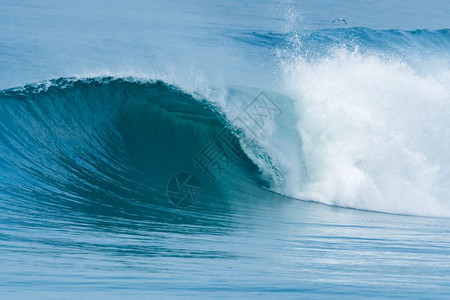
(374, 132)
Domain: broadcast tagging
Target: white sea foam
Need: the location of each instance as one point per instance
(374, 132)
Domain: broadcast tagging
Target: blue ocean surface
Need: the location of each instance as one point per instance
(236, 149)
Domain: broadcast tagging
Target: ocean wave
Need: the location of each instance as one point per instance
(111, 146)
(352, 129)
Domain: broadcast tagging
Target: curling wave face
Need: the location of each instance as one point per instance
(106, 146)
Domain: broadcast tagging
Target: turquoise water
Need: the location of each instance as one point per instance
(215, 150)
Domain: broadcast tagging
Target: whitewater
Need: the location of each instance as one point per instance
(327, 146)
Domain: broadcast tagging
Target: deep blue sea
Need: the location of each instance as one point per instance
(235, 149)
